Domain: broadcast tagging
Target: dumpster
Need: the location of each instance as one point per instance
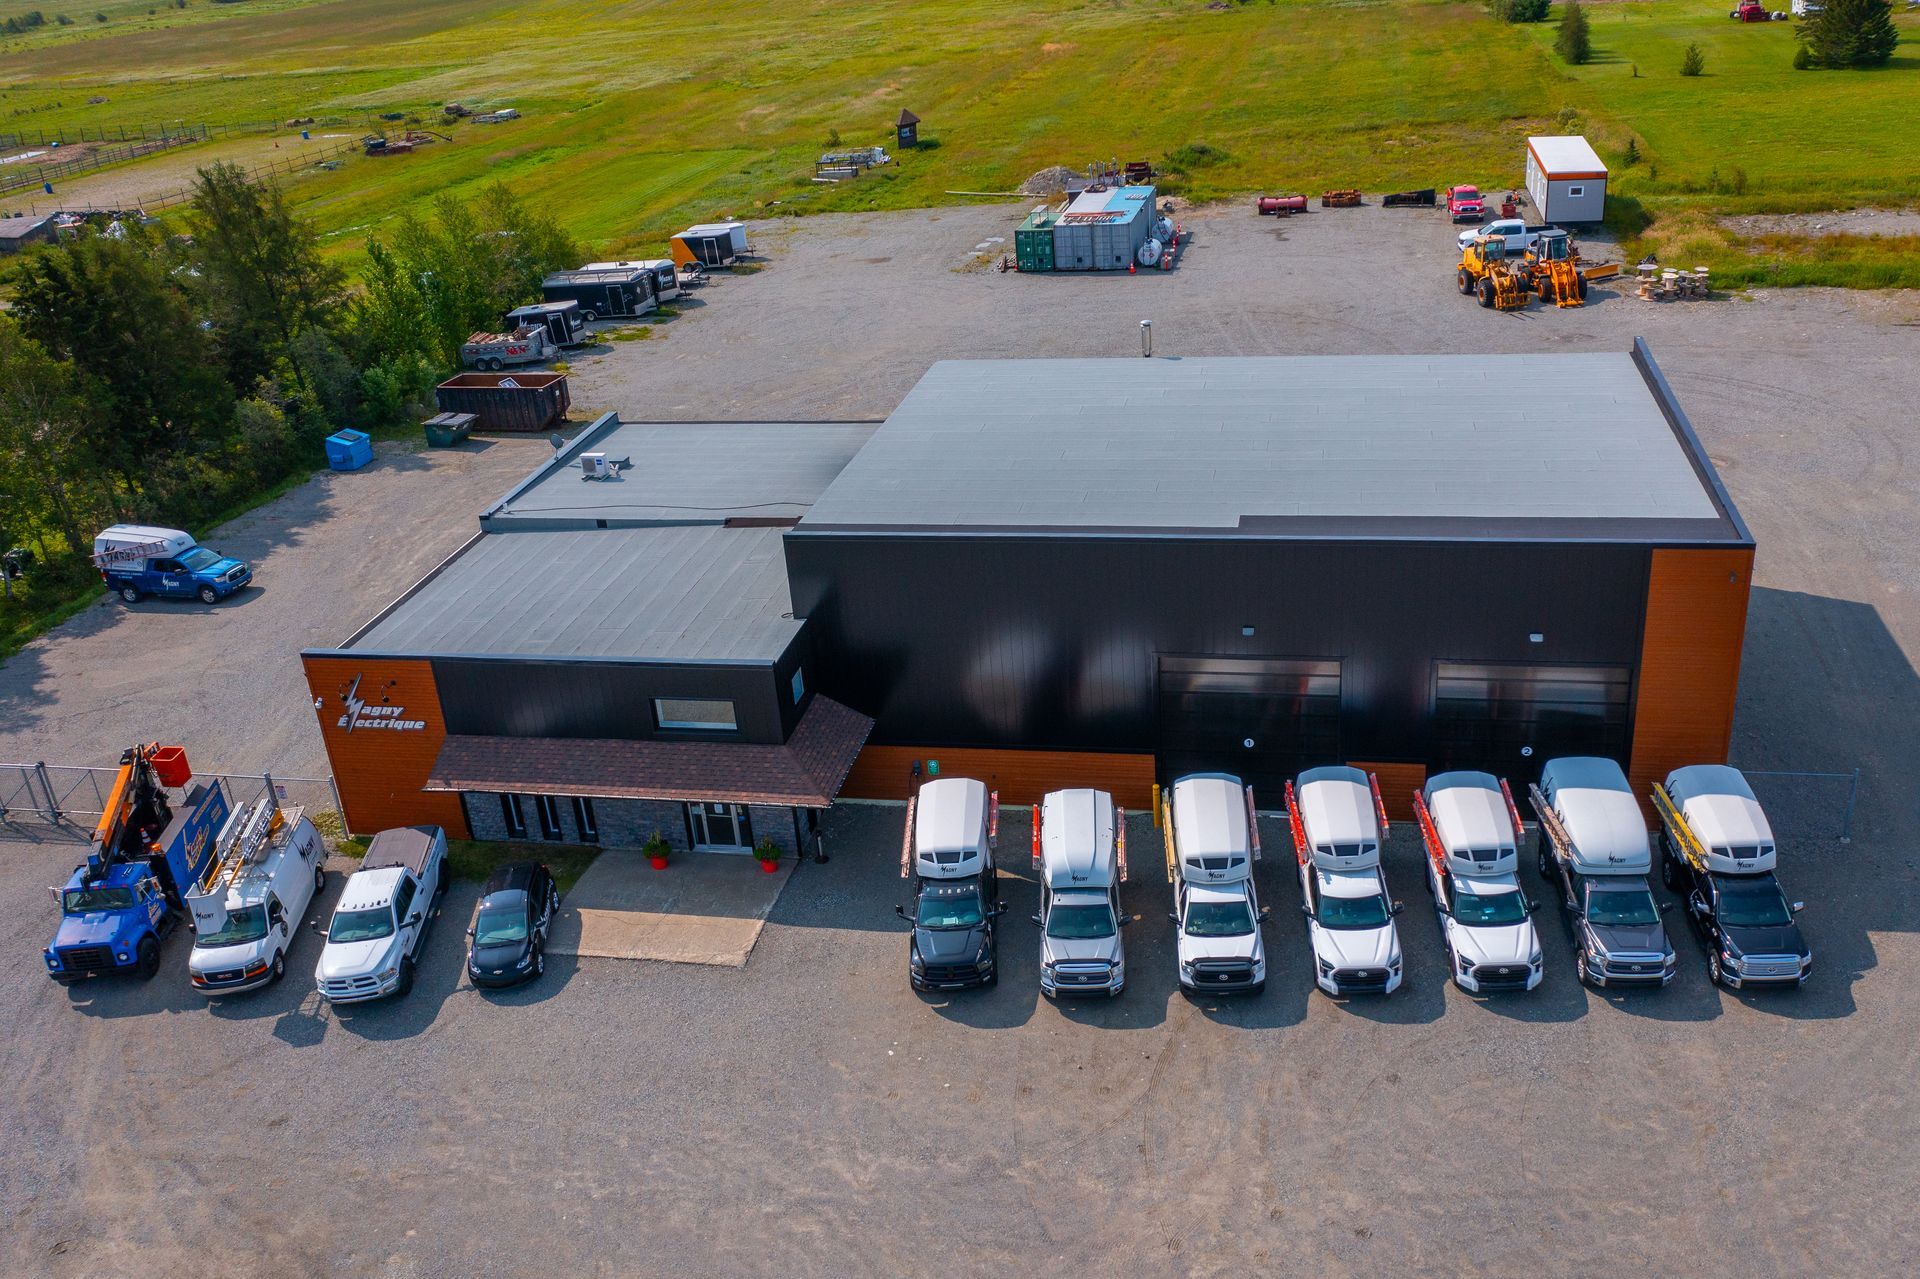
(448, 429)
(506, 401)
(349, 450)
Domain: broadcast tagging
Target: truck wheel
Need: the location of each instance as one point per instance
(1486, 294)
(406, 977)
(279, 968)
(1667, 875)
(589, 316)
(1715, 973)
(1465, 280)
(319, 880)
(130, 594)
(1546, 870)
(1580, 287)
(209, 596)
(149, 955)
(1580, 967)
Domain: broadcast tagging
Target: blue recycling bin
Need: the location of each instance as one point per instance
(349, 450)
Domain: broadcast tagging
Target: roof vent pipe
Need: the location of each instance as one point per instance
(1146, 339)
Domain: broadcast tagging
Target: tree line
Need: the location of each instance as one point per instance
(165, 378)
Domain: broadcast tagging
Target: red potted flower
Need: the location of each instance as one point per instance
(657, 850)
(769, 854)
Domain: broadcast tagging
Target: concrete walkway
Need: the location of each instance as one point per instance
(705, 908)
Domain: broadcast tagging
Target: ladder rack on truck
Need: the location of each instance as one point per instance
(1436, 851)
(1300, 850)
(248, 834)
(1558, 837)
(1678, 831)
(1253, 825)
(1168, 843)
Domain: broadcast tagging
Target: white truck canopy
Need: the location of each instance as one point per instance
(137, 543)
(950, 828)
(1337, 814)
(1471, 818)
(1603, 821)
(1077, 840)
(1210, 831)
(1725, 816)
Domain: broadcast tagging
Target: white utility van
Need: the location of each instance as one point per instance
(268, 866)
(1212, 843)
(1338, 825)
(1079, 848)
(1472, 832)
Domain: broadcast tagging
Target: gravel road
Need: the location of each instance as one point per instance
(809, 1115)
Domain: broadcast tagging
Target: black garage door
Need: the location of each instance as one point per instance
(1264, 719)
(1509, 719)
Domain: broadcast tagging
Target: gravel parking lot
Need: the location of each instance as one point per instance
(811, 1115)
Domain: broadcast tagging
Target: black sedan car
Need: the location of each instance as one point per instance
(508, 941)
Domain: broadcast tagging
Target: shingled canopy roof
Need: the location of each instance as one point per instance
(806, 772)
(906, 118)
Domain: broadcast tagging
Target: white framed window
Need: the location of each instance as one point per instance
(585, 821)
(549, 810)
(1576, 191)
(711, 713)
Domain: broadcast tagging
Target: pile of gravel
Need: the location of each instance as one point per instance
(1048, 181)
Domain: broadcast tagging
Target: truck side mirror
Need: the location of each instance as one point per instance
(1573, 907)
(1798, 907)
(1697, 904)
(1037, 919)
(1000, 908)
(1665, 907)
(1265, 911)
(413, 919)
(1532, 905)
(900, 911)
(1173, 918)
(1398, 907)
(318, 931)
(1304, 910)
(469, 932)
(1125, 920)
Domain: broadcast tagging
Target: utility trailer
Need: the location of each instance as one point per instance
(1718, 850)
(947, 852)
(1080, 852)
(666, 279)
(491, 352)
(1593, 850)
(1339, 824)
(1472, 833)
(1212, 840)
(563, 322)
(620, 293)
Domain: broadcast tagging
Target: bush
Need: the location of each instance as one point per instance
(1194, 155)
(1631, 156)
(1519, 10)
(396, 388)
(1694, 62)
(1849, 34)
(1574, 42)
(1802, 58)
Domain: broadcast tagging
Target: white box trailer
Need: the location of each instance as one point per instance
(1566, 180)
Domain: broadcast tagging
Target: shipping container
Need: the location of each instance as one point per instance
(506, 401)
(1103, 229)
(1033, 242)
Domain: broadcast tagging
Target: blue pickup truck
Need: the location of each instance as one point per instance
(136, 560)
(118, 907)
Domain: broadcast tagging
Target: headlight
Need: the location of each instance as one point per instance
(916, 963)
(1326, 969)
(1186, 967)
(525, 963)
(1535, 958)
(52, 962)
(1466, 965)
(123, 958)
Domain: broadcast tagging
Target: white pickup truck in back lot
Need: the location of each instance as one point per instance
(1518, 235)
(378, 929)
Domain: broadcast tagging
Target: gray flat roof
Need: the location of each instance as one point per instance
(1575, 445)
(668, 593)
(685, 473)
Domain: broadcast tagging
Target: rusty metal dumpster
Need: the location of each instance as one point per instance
(506, 401)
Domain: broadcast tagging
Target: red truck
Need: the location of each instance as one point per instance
(1463, 204)
(1751, 11)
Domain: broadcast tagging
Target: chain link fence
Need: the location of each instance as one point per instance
(73, 796)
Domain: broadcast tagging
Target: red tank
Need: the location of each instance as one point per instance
(1281, 205)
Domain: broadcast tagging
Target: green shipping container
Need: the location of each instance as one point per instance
(1033, 242)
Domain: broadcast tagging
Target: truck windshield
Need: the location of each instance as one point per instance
(361, 925)
(1621, 907)
(949, 906)
(1218, 919)
(81, 901)
(249, 923)
(500, 927)
(1088, 921)
(198, 559)
(1499, 908)
(1750, 903)
(1352, 912)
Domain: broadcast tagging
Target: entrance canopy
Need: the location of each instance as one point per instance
(805, 772)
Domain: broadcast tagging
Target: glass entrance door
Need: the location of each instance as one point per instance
(720, 828)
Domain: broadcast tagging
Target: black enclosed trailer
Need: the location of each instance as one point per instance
(620, 293)
(565, 324)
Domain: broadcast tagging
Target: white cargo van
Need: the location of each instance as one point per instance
(1079, 848)
(1338, 826)
(1212, 842)
(268, 865)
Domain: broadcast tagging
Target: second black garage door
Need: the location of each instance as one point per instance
(1264, 719)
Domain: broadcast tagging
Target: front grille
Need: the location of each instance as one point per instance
(87, 959)
(1771, 966)
(1083, 975)
(1221, 972)
(1634, 966)
(1501, 976)
(226, 977)
(239, 575)
(1360, 980)
(349, 986)
(942, 974)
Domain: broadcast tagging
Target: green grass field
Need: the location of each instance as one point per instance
(642, 115)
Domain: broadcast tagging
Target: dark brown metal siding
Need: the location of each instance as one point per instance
(515, 697)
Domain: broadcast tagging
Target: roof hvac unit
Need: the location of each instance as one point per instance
(598, 466)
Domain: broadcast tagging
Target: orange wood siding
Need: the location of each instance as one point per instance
(1021, 777)
(1689, 662)
(380, 771)
(1398, 782)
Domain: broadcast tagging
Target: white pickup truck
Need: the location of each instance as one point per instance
(380, 925)
(1472, 832)
(1518, 235)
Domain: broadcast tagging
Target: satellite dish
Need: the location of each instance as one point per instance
(557, 442)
